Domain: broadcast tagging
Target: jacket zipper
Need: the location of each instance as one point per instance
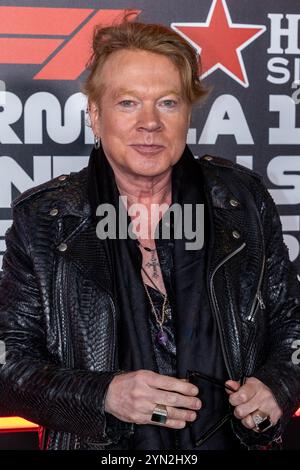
(258, 300)
(114, 329)
(216, 307)
(66, 436)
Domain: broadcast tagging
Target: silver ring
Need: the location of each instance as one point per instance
(261, 420)
(160, 414)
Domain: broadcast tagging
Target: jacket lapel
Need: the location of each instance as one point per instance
(90, 255)
(78, 241)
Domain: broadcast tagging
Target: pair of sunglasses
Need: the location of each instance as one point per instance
(193, 377)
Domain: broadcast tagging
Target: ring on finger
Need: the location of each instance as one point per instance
(261, 420)
(160, 414)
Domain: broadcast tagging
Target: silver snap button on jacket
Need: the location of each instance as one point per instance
(63, 247)
(53, 212)
(234, 202)
(62, 177)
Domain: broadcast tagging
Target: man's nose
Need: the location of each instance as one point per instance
(149, 119)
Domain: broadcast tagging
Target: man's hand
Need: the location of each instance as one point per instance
(132, 397)
(252, 396)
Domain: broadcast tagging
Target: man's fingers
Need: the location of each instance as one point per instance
(165, 382)
(177, 418)
(233, 384)
(176, 400)
(244, 394)
(236, 398)
(171, 423)
(248, 422)
(181, 415)
(251, 397)
(245, 409)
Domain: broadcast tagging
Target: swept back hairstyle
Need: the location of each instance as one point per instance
(155, 38)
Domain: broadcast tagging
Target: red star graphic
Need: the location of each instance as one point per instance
(220, 42)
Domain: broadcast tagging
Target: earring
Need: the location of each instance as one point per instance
(96, 142)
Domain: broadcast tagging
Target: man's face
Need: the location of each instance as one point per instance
(142, 118)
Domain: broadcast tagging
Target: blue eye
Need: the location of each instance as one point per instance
(126, 103)
(169, 103)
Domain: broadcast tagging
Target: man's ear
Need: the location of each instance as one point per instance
(94, 114)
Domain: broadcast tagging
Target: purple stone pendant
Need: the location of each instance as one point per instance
(162, 337)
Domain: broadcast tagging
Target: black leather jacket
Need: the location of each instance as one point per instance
(58, 318)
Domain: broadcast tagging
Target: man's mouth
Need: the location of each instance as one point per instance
(148, 149)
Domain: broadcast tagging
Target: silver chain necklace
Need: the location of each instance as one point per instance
(161, 336)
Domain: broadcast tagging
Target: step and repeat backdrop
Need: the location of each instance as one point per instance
(251, 61)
